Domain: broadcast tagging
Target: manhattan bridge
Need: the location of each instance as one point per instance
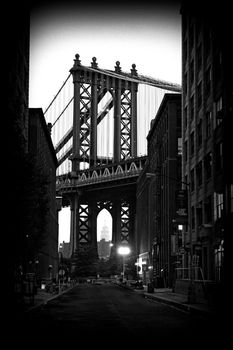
(99, 122)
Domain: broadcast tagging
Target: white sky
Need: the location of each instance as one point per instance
(149, 36)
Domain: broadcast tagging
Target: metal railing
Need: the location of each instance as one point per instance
(130, 168)
(187, 273)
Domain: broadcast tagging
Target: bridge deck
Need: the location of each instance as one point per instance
(127, 169)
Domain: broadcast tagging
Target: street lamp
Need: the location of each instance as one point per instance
(124, 251)
(191, 290)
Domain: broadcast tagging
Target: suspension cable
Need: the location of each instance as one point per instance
(63, 111)
(57, 93)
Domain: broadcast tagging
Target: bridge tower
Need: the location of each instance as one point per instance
(92, 84)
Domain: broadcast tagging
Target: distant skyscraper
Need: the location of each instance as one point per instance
(103, 249)
(105, 233)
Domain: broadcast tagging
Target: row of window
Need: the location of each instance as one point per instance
(217, 108)
(197, 172)
(203, 130)
(190, 82)
(207, 162)
(203, 127)
(202, 213)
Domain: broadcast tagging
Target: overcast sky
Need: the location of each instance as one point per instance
(148, 35)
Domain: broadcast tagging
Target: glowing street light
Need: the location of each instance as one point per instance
(124, 251)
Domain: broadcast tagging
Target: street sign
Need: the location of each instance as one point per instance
(181, 207)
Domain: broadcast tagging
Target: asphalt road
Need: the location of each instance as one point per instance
(95, 314)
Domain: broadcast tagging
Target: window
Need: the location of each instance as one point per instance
(192, 180)
(193, 218)
(208, 124)
(218, 111)
(192, 143)
(208, 210)
(185, 84)
(218, 156)
(191, 72)
(185, 117)
(199, 214)
(199, 95)
(199, 174)
(207, 40)
(217, 66)
(192, 108)
(208, 81)
(199, 133)
(199, 57)
(179, 146)
(208, 165)
(191, 37)
(218, 205)
(185, 50)
(185, 151)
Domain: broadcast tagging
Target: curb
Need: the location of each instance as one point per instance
(44, 302)
(191, 309)
(184, 307)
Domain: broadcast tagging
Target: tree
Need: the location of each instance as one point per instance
(84, 262)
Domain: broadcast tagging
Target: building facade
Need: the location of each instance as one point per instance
(64, 250)
(104, 249)
(16, 68)
(206, 113)
(43, 153)
(157, 234)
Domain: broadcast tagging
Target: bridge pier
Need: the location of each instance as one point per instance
(84, 213)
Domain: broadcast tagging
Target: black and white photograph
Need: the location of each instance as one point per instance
(119, 174)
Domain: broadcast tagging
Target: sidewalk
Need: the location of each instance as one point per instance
(42, 297)
(177, 300)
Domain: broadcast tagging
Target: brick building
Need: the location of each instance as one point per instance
(16, 69)
(43, 153)
(157, 239)
(206, 113)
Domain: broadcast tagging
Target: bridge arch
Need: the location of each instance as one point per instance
(104, 233)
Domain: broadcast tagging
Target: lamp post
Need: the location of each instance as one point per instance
(124, 251)
(191, 289)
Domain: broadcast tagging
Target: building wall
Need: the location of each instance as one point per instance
(40, 146)
(156, 200)
(64, 249)
(164, 155)
(17, 57)
(16, 70)
(206, 110)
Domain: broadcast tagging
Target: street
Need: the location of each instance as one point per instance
(92, 312)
